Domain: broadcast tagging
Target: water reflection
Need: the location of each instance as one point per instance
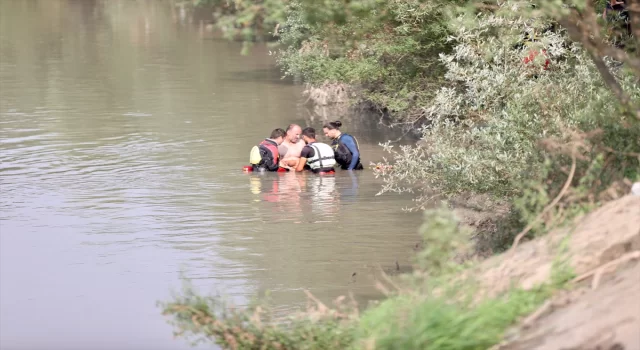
(351, 193)
(294, 194)
(324, 196)
(302, 212)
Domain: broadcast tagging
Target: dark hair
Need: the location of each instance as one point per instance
(277, 133)
(333, 125)
(309, 132)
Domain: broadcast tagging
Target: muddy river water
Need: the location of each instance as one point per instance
(122, 137)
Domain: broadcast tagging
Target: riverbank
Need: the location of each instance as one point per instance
(525, 126)
(468, 85)
(514, 297)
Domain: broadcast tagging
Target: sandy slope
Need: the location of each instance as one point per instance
(605, 317)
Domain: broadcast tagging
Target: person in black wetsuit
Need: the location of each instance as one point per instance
(344, 145)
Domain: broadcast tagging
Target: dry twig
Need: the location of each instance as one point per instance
(321, 307)
(534, 316)
(555, 201)
(597, 272)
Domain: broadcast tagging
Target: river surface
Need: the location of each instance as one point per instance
(123, 134)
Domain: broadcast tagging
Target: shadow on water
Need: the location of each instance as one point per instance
(270, 75)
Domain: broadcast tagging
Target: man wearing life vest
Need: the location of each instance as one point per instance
(318, 156)
(291, 147)
(345, 146)
(265, 155)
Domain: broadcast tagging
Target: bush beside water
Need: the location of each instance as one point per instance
(552, 141)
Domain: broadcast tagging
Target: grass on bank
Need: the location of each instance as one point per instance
(489, 133)
(431, 310)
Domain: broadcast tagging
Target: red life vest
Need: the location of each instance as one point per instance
(273, 148)
(532, 56)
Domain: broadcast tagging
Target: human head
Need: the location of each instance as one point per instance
(309, 135)
(332, 129)
(293, 133)
(278, 135)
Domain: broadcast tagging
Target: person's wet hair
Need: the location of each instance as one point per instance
(309, 132)
(277, 133)
(333, 125)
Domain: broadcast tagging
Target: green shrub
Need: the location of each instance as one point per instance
(209, 319)
(487, 122)
(389, 48)
(438, 323)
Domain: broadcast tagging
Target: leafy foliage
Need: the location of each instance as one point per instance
(436, 323)
(488, 120)
(205, 319)
(388, 47)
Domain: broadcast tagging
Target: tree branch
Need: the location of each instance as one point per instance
(583, 28)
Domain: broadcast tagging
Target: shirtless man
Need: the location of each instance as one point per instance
(291, 147)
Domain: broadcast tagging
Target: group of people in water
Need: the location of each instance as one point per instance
(297, 149)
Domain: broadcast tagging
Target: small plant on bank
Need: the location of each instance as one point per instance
(435, 310)
(209, 319)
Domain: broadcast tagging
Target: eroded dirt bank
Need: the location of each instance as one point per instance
(604, 318)
(602, 311)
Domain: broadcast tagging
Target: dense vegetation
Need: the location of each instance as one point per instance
(534, 104)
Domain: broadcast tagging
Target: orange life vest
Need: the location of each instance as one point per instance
(273, 148)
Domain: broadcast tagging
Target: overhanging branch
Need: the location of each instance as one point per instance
(584, 29)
